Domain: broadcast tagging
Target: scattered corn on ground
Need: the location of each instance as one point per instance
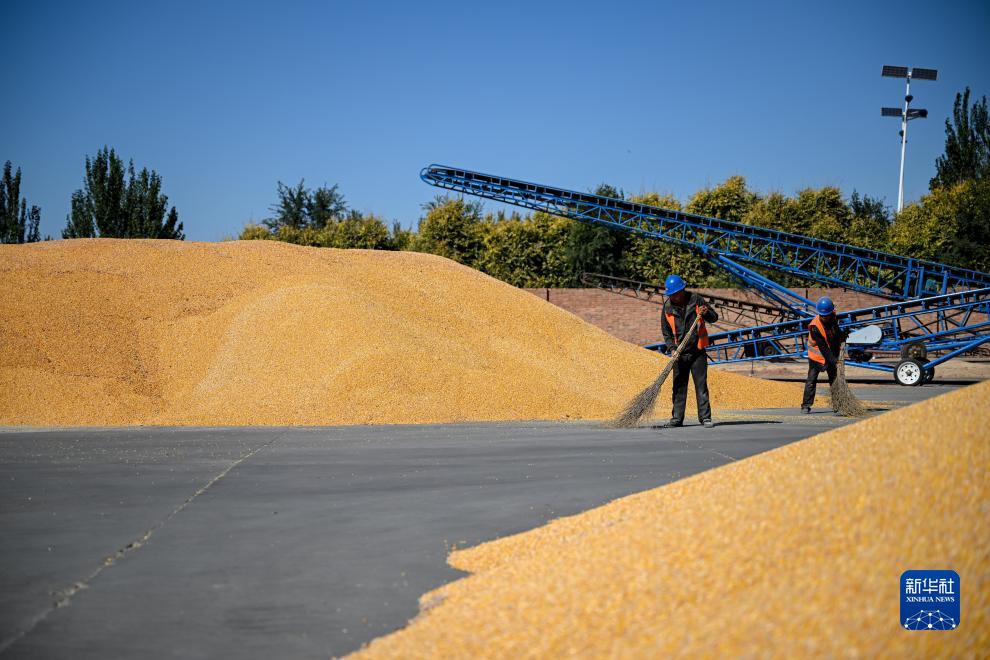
(793, 553)
(110, 332)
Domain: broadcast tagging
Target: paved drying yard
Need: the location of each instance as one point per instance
(300, 542)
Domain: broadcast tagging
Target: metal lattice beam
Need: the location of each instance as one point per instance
(943, 323)
(732, 311)
(833, 264)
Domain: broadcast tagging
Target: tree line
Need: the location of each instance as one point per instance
(951, 224)
(114, 202)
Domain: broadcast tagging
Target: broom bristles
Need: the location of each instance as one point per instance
(642, 404)
(840, 396)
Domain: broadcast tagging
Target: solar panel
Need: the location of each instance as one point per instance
(894, 71)
(924, 74)
(890, 112)
(917, 113)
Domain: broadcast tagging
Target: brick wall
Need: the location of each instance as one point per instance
(638, 321)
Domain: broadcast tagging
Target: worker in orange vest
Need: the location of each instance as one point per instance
(825, 338)
(679, 312)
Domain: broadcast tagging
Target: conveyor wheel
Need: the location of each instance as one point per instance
(915, 350)
(929, 374)
(909, 372)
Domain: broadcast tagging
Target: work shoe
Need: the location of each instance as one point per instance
(708, 424)
(806, 411)
(673, 424)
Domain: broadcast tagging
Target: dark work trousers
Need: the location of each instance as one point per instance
(811, 384)
(695, 366)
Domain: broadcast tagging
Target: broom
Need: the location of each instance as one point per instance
(840, 396)
(643, 402)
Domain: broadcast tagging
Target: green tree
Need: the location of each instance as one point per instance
(366, 232)
(254, 232)
(730, 200)
(325, 206)
(775, 211)
(452, 228)
(919, 232)
(18, 222)
(870, 222)
(357, 230)
(651, 260)
(79, 223)
(950, 225)
(527, 252)
(552, 232)
(112, 207)
(290, 210)
(818, 212)
(401, 238)
(823, 213)
(593, 248)
(298, 207)
(967, 144)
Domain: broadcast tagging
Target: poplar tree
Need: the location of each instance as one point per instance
(119, 203)
(19, 223)
(967, 144)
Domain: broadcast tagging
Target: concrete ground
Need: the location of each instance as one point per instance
(302, 542)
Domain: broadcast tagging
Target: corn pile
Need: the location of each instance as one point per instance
(105, 332)
(793, 553)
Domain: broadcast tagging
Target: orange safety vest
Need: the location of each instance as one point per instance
(814, 352)
(702, 330)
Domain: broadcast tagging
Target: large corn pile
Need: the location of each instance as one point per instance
(793, 553)
(105, 332)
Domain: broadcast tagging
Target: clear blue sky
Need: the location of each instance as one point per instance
(223, 99)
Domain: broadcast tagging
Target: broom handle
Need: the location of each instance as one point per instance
(675, 356)
(684, 342)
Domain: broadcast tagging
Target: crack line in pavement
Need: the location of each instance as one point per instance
(63, 596)
(702, 447)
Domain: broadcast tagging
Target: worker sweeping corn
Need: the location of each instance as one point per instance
(825, 340)
(679, 313)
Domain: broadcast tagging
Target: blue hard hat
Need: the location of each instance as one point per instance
(825, 306)
(673, 284)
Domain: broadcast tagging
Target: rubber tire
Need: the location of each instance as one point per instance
(915, 350)
(913, 372)
(929, 375)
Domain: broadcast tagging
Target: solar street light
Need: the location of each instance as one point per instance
(907, 114)
(894, 71)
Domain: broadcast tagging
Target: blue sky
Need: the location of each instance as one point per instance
(223, 99)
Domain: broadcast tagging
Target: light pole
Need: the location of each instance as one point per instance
(908, 113)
